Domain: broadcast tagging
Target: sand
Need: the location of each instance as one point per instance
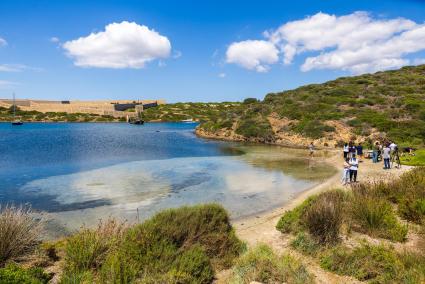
(261, 228)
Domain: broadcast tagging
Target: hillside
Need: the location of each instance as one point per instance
(385, 104)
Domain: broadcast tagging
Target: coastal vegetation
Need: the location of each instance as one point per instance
(387, 104)
(184, 245)
(35, 116)
(355, 232)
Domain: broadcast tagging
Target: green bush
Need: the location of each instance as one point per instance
(262, 265)
(181, 245)
(323, 219)
(376, 217)
(89, 248)
(306, 244)
(14, 274)
(377, 264)
(291, 220)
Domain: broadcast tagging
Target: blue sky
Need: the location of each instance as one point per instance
(196, 51)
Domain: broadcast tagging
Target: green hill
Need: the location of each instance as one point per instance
(385, 104)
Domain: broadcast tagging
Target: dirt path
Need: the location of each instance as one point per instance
(261, 228)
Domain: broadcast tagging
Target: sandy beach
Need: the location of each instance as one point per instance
(261, 228)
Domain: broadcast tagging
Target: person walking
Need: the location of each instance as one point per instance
(352, 149)
(354, 166)
(346, 150)
(386, 155)
(311, 148)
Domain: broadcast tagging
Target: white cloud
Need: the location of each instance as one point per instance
(7, 84)
(253, 54)
(356, 42)
(3, 42)
(121, 45)
(17, 68)
(222, 75)
(54, 39)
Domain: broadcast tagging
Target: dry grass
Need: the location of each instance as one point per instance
(323, 219)
(19, 232)
(89, 248)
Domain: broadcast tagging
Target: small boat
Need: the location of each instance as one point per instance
(187, 120)
(136, 121)
(15, 121)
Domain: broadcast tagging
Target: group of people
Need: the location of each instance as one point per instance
(385, 151)
(352, 153)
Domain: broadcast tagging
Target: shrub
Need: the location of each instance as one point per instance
(19, 232)
(205, 225)
(375, 217)
(291, 220)
(305, 244)
(118, 268)
(195, 265)
(324, 217)
(261, 264)
(89, 248)
(13, 274)
(377, 264)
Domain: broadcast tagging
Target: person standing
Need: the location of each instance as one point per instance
(354, 166)
(346, 150)
(375, 152)
(352, 149)
(311, 148)
(345, 173)
(359, 149)
(386, 155)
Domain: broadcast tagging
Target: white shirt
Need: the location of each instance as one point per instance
(354, 164)
(346, 149)
(386, 153)
(393, 146)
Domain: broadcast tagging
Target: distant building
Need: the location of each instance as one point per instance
(114, 108)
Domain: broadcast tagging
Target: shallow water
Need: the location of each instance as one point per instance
(80, 173)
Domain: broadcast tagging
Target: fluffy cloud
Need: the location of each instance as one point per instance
(121, 45)
(3, 42)
(356, 42)
(54, 39)
(253, 54)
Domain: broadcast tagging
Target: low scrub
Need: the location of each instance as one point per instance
(323, 219)
(88, 248)
(181, 245)
(19, 233)
(376, 264)
(291, 222)
(263, 265)
(375, 217)
(14, 274)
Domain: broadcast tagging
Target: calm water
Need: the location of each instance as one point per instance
(79, 173)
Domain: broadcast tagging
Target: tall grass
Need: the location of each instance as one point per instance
(323, 219)
(263, 265)
(375, 217)
(377, 264)
(88, 248)
(181, 245)
(19, 232)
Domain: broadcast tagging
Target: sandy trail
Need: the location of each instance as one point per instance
(261, 228)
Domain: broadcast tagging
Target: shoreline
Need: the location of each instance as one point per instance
(260, 228)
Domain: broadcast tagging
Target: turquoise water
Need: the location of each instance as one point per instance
(80, 173)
